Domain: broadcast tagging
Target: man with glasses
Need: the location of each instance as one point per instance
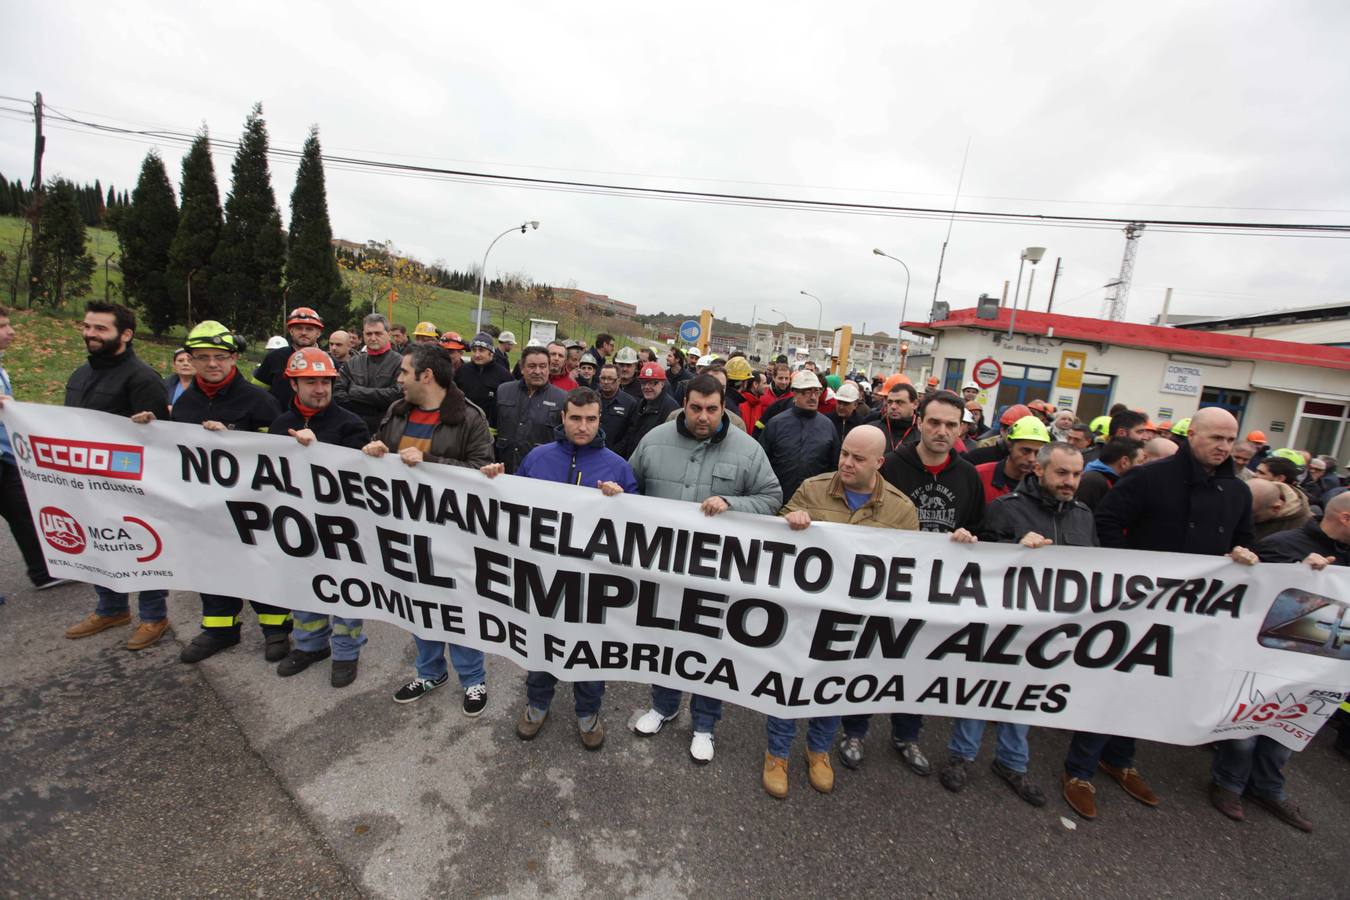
(803, 442)
(618, 409)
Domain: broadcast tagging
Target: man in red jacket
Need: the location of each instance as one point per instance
(1025, 439)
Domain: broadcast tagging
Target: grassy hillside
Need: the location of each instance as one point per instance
(102, 245)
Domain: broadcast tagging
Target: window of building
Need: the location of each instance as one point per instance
(951, 378)
(1094, 398)
(1022, 384)
(1225, 398)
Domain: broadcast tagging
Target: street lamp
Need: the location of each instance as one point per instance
(1029, 255)
(904, 307)
(784, 320)
(482, 273)
(820, 314)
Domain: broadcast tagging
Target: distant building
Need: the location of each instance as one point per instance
(600, 303)
(1328, 325)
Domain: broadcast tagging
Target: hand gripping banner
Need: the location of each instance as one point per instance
(833, 619)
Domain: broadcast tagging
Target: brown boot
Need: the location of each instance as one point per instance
(1133, 783)
(820, 772)
(1227, 802)
(775, 776)
(146, 634)
(95, 623)
(1080, 795)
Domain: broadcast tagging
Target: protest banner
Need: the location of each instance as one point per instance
(834, 619)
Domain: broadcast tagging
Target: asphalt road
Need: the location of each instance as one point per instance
(131, 774)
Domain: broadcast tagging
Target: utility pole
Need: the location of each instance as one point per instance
(39, 144)
(1049, 307)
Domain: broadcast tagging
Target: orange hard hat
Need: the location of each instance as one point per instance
(303, 315)
(452, 341)
(1256, 437)
(889, 384)
(652, 372)
(933, 382)
(1013, 413)
(310, 362)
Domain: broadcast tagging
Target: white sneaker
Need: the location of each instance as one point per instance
(701, 748)
(650, 722)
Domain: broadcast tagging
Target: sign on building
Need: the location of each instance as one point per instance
(1181, 378)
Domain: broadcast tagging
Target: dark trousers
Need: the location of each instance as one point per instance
(14, 507)
(1086, 750)
(905, 727)
(540, 687)
(220, 615)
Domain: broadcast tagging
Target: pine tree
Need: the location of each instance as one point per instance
(64, 270)
(145, 233)
(312, 276)
(199, 224)
(249, 259)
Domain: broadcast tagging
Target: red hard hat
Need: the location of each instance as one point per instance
(303, 315)
(651, 372)
(310, 362)
(1013, 413)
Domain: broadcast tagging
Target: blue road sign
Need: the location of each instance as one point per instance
(690, 331)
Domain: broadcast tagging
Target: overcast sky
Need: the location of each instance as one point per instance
(1222, 110)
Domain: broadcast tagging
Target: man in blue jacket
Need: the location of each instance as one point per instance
(578, 456)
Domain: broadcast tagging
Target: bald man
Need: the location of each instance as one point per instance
(1276, 507)
(1191, 502)
(1160, 448)
(340, 346)
(855, 495)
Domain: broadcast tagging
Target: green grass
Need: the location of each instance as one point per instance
(100, 243)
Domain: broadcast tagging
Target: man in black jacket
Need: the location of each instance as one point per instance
(1254, 767)
(480, 377)
(305, 328)
(897, 417)
(1117, 457)
(1192, 502)
(656, 406)
(618, 409)
(116, 381)
(313, 416)
(221, 399)
(802, 442)
(369, 381)
(949, 498)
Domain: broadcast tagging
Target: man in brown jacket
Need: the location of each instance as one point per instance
(434, 423)
(854, 495)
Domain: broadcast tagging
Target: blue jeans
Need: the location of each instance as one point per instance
(1011, 749)
(153, 605)
(539, 688)
(312, 632)
(819, 734)
(704, 711)
(468, 663)
(1255, 762)
(905, 727)
(1087, 749)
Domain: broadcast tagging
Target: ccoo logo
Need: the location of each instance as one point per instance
(61, 530)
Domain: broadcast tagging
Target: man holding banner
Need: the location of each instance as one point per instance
(579, 456)
(435, 423)
(700, 458)
(856, 494)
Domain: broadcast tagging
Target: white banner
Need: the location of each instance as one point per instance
(834, 619)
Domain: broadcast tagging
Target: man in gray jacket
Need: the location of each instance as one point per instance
(699, 457)
(369, 381)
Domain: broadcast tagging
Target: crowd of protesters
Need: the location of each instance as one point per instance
(751, 436)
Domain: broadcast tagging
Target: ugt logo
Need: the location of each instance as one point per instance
(1303, 622)
(88, 457)
(60, 529)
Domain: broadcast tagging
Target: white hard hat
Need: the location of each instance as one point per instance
(506, 337)
(276, 342)
(804, 378)
(848, 393)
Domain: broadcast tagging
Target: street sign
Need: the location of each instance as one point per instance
(690, 331)
(987, 372)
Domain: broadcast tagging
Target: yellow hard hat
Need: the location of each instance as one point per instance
(426, 329)
(1029, 428)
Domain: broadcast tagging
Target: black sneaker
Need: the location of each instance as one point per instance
(343, 674)
(415, 689)
(851, 752)
(207, 644)
(955, 774)
(475, 700)
(1020, 784)
(299, 660)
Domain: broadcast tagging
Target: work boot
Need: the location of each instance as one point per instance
(277, 646)
(94, 623)
(1080, 795)
(912, 756)
(299, 660)
(1020, 784)
(819, 770)
(955, 774)
(208, 644)
(1284, 810)
(343, 673)
(775, 776)
(1132, 782)
(527, 727)
(147, 633)
(1227, 802)
(592, 731)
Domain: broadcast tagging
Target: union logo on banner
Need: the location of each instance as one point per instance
(88, 457)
